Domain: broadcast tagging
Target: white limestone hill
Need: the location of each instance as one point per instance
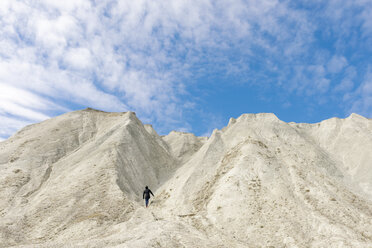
(77, 181)
(183, 145)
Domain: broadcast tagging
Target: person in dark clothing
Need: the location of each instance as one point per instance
(146, 195)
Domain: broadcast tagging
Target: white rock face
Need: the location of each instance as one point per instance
(349, 143)
(183, 145)
(77, 180)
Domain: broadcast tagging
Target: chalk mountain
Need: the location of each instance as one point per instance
(77, 180)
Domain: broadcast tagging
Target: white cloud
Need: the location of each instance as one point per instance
(10, 125)
(79, 58)
(336, 64)
(361, 99)
(309, 80)
(366, 16)
(9, 107)
(66, 5)
(25, 98)
(345, 85)
(322, 85)
(121, 55)
(24, 104)
(53, 33)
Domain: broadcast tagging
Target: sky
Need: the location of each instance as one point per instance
(185, 65)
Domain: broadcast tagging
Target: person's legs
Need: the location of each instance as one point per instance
(147, 202)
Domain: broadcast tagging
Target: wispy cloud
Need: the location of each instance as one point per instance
(336, 64)
(10, 125)
(361, 99)
(146, 55)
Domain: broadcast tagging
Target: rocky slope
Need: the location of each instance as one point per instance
(77, 180)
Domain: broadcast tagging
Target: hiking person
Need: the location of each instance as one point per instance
(146, 195)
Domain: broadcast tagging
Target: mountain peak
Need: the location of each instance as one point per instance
(356, 117)
(259, 116)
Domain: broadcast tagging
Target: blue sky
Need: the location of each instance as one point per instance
(185, 65)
